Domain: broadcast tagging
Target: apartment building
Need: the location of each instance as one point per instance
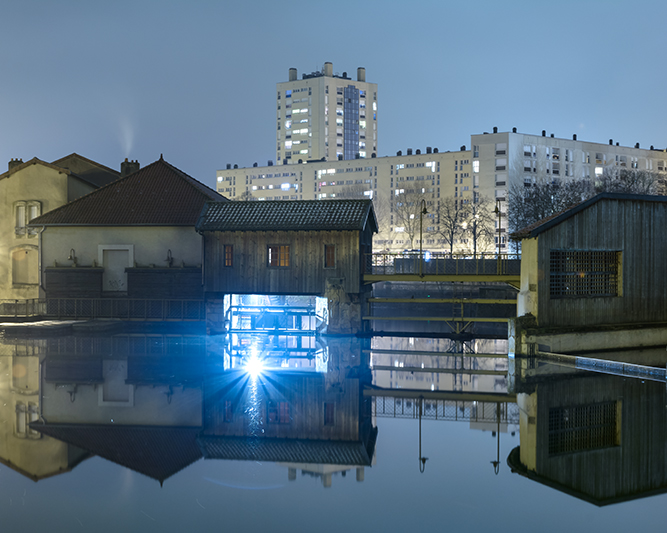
(325, 116)
(487, 170)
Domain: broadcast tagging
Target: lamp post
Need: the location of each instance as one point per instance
(422, 212)
(422, 459)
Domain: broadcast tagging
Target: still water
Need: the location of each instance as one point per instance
(259, 432)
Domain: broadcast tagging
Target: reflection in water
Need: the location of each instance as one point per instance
(600, 438)
(158, 403)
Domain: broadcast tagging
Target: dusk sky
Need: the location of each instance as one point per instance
(196, 80)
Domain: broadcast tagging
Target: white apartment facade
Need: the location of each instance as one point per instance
(326, 116)
(487, 170)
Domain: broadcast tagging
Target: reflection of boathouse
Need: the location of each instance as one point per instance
(300, 418)
(600, 264)
(156, 404)
(600, 438)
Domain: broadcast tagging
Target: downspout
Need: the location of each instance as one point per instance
(42, 289)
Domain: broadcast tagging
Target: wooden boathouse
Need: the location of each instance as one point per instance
(601, 264)
(288, 248)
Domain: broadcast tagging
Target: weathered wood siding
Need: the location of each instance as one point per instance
(165, 283)
(250, 273)
(637, 465)
(637, 228)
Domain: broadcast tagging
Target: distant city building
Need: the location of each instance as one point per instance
(487, 170)
(327, 148)
(326, 116)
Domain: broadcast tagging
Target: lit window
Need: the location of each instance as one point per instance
(399, 230)
(229, 255)
(278, 256)
(475, 166)
(285, 186)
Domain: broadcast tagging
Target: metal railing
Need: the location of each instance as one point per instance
(452, 410)
(487, 264)
(22, 308)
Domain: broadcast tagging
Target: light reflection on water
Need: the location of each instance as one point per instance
(186, 402)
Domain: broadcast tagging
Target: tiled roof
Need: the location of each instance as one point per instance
(88, 170)
(156, 452)
(287, 215)
(285, 450)
(34, 161)
(533, 230)
(157, 195)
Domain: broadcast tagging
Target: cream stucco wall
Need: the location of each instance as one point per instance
(150, 244)
(35, 183)
(530, 276)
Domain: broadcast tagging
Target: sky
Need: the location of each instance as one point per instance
(196, 80)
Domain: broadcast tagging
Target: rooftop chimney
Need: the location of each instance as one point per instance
(611, 142)
(328, 69)
(361, 74)
(513, 130)
(428, 150)
(292, 74)
(409, 151)
(544, 133)
(637, 145)
(128, 167)
(574, 137)
(495, 129)
(15, 163)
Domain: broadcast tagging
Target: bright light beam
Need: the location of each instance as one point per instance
(254, 366)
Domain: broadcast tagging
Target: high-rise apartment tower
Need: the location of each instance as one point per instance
(326, 116)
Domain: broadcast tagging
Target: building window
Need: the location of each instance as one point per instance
(329, 414)
(584, 273)
(583, 427)
(279, 413)
(25, 267)
(329, 256)
(24, 212)
(229, 255)
(278, 255)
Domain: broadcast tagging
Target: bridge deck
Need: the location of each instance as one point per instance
(438, 267)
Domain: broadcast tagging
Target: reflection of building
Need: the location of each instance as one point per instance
(155, 404)
(598, 264)
(22, 448)
(319, 423)
(28, 190)
(600, 438)
(326, 116)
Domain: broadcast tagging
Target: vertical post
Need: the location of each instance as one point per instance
(422, 212)
(498, 212)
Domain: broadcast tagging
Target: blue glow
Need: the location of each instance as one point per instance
(254, 365)
(427, 256)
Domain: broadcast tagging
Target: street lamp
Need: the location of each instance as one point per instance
(422, 212)
(498, 212)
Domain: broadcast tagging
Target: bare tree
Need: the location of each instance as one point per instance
(629, 181)
(478, 224)
(407, 209)
(451, 215)
(246, 196)
(527, 203)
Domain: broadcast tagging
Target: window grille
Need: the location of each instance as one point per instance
(582, 427)
(584, 273)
